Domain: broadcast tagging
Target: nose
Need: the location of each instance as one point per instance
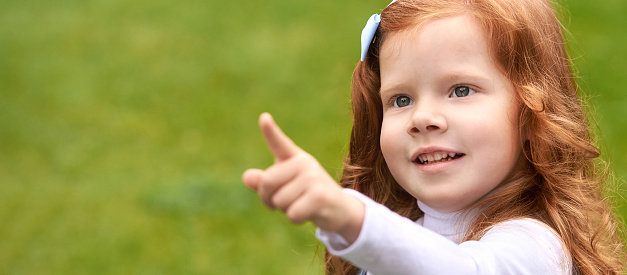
(427, 119)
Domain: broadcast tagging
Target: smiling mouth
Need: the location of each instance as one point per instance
(424, 159)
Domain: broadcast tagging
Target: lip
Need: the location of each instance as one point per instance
(432, 149)
(435, 167)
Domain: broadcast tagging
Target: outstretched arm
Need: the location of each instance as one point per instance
(300, 187)
(391, 244)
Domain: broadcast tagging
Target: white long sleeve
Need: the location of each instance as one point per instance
(391, 244)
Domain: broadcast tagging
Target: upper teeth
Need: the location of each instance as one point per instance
(437, 156)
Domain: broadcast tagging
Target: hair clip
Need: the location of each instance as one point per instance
(367, 34)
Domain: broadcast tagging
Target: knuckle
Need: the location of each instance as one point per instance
(266, 198)
(277, 202)
(306, 159)
(295, 216)
(317, 194)
(268, 203)
(263, 192)
(308, 178)
(301, 158)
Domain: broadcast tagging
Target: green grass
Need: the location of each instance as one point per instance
(125, 126)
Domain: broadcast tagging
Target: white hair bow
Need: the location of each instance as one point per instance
(367, 34)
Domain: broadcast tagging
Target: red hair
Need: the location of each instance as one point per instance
(564, 180)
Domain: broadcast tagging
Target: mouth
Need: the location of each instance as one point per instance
(435, 157)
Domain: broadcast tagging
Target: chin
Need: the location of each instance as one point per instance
(446, 203)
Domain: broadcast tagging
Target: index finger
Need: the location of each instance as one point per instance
(280, 144)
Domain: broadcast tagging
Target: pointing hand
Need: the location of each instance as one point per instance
(300, 187)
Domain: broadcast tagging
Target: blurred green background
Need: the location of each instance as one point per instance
(125, 126)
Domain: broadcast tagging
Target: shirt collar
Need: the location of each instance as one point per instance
(451, 225)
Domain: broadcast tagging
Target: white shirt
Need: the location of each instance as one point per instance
(391, 244)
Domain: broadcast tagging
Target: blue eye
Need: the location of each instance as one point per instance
(462, 91)
(402, 101)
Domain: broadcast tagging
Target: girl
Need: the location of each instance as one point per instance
(470, 151)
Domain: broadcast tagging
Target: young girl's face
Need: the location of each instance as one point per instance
(449, 133)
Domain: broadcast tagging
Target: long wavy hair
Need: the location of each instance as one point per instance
(564, 180)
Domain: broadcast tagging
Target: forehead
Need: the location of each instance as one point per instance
(460, 31)
(443, 44)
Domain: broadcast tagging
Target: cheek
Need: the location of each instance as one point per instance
(498, 141)
(498, 127)
(384, 141)
(388, 140)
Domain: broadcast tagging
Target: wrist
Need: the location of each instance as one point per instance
(355, 211)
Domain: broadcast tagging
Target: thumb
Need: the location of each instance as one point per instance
(280, 144)
(252, 177)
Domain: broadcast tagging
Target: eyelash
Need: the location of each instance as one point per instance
(393, 100)
(470, 90)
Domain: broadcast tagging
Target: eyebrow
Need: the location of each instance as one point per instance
(393, 88)
(452, 76)
(464, 74)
